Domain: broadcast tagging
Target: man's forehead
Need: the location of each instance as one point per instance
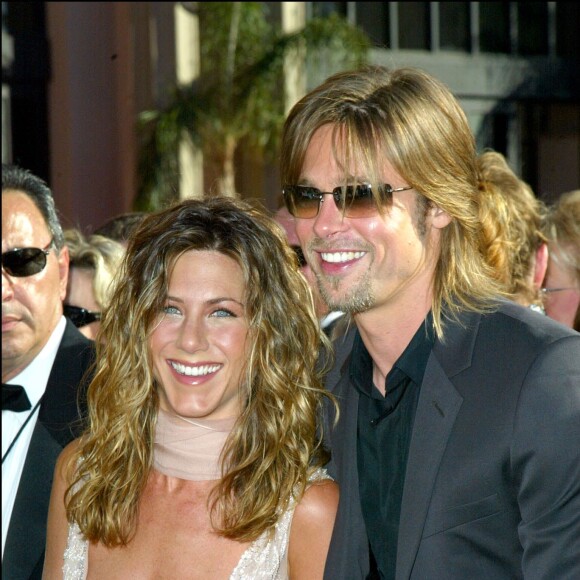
(327, 155)
(22, 222)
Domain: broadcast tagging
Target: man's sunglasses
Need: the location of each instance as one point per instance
(355, 201)
(80, 316)
(22, 262)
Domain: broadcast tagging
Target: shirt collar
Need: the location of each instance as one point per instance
(330, 318)
(34, 377)
(412, 362)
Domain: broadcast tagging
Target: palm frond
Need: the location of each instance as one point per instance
(238, 95)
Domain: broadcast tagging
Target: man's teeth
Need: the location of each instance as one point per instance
(341, 256)
(194, 371)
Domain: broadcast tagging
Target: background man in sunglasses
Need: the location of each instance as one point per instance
(456, 449)
(44, 358)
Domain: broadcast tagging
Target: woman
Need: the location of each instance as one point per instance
(202, 435)
(562, 281)
(93, 263)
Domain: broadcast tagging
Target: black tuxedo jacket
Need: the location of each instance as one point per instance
(58, 424)
(492, 485)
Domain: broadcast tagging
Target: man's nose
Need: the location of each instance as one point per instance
(7, 286)
(330, 218)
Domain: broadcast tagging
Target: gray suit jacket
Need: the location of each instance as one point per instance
(58, 423)
(492, 486)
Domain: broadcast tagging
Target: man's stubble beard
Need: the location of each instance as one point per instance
(359, 298)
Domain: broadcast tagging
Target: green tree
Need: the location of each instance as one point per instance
(239, 94)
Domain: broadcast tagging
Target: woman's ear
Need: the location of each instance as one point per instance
(540, 265)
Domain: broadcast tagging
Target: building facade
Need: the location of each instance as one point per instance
(76, 75)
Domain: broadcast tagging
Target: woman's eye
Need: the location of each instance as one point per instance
(223, 313)
(171, 310)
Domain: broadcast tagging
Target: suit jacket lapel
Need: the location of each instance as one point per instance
(57, 418)
(348, 552)
(438, 406)
(26, 537)
(65, 392)
(439, 403)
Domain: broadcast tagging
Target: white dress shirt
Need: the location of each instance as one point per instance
(34, 379)
(329, 318)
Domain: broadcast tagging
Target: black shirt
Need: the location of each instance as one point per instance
(385, 424)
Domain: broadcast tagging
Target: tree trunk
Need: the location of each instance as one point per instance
(227, 178)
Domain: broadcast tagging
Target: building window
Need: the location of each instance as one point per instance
(373, 18)
(567, 36)
(517, 28)
(414, 25)
(455, 28)
(533, 28)
(494, 27)
(323, 9)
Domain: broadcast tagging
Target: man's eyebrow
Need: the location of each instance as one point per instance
(346, 179)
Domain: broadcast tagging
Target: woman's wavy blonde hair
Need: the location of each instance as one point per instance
(276, 441)
(410, 119)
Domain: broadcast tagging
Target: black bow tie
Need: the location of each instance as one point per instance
(14, 398)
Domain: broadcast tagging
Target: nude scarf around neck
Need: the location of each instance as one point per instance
(190, 448)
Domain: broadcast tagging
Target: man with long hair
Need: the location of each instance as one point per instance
(456, 450)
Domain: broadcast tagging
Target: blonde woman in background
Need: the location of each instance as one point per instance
(562, 282)
(94, 260)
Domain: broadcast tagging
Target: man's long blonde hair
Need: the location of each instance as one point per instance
(512, 221)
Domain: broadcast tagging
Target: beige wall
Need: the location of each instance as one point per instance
(91, 110)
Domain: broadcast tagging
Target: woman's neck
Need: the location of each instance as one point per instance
(190, 448)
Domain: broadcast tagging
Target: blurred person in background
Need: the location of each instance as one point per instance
(121, 227)
(562, 281)
(94, 261)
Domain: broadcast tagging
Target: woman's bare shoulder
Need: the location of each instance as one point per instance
(319, 502)
(311, 531)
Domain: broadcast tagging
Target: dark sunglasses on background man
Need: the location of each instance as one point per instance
(80, 316)
(356, 201)
(23, 262)
(300, 255)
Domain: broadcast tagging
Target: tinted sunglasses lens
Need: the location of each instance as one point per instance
(302, 201)
(357, 201)
(24, 262)
(80, 316)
